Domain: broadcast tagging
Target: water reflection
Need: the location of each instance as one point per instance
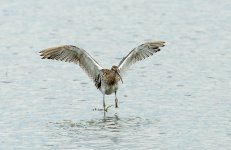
(107, 131)
(105, 124)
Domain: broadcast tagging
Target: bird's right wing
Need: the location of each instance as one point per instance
(139, 53)
(69, 53)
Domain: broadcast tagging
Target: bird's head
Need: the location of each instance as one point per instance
(115, 68)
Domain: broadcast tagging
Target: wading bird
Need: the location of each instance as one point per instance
(106, 80)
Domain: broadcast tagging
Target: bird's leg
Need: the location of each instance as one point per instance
(116, 101)
(104, 105)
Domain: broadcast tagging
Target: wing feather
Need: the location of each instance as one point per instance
(69, 53)
(139, 53)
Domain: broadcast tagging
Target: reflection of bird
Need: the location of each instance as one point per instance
(106, 80)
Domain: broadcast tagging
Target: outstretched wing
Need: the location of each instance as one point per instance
(139, 53)
(69, 53)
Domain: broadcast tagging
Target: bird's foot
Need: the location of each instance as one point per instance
(106, 108)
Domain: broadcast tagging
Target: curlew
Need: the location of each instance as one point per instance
(106, 80)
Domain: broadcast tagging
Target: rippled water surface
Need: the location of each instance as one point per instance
(178, 99)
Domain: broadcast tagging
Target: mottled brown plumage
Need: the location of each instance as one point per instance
(106, 80)
(110, 77)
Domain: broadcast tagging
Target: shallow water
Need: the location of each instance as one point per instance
(178, 99)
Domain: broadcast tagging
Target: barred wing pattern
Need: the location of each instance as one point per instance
(69, 53)
(139, 53)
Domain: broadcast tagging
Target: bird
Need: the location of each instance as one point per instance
(106, 80)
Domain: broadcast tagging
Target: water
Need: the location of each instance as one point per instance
(178, 99)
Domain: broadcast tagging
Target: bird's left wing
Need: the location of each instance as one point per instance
(139, 53)
(69, 53)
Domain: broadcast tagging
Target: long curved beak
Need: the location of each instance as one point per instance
(120, 77)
